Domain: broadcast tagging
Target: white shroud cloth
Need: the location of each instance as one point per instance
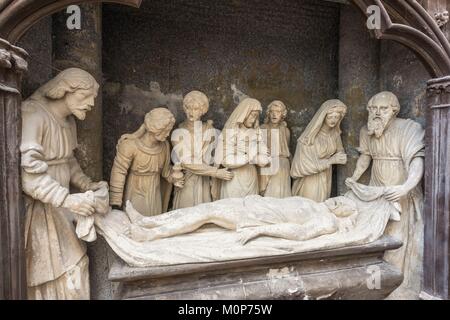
(215, 244)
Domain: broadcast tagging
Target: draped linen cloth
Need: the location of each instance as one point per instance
(211, 244)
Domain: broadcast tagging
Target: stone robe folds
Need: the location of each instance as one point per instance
(310, 166)
(197, 185)
(392, 154)
(245, 180)
(57, 264)
(236, 145)
(137, 170)
(277, 185)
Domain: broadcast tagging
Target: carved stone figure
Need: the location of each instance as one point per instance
(318, 149)
(142, 158)
(57, 264)
(276, 182)
(395, 147)
(193, 144)
(274, 226)
(308, 220)
(241, 149)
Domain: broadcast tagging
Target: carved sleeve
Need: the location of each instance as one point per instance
(36, 182)
(306, 162)
(77, 177)
(122, 162)
(364, 143)
(167, 168)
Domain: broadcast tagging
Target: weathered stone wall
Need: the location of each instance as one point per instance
(265, 49)
(38, 43)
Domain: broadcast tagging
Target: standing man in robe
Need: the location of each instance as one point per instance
(396, 149)
(57, 263)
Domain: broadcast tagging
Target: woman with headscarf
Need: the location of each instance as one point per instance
(318, 149)
(142, 159)
(241, 149)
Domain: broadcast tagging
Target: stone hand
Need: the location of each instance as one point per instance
(80, 203)
(247, 235)
(94, 186)
(395, 193)
(179, 183)
(263, 160)
(349, 182)
(339, 158)
(224, 174)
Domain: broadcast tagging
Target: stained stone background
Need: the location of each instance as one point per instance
(300, 51)
(155, 55)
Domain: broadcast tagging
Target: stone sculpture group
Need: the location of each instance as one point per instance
(203, 175)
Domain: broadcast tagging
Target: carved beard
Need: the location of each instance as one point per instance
(377, 125)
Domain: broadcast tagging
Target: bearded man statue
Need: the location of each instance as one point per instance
(57, 263)
(395, 147)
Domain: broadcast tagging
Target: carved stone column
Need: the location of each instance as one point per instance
(437, 191)
(12, 258)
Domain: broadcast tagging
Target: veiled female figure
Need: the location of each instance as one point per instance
(241, 149)
(318, 149)
(142, 159)
(276, 182)
(193, 144)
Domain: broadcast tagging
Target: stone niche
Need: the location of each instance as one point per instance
(264, 49)
(302, 52)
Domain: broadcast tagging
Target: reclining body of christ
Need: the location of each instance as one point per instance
(293, 218)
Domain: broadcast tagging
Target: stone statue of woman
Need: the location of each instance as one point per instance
(142, 159)
(318, 149)
(276, 182)
(241, 149)
(193, 142)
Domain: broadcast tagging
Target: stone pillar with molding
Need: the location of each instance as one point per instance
(13, 63)
(437, 191)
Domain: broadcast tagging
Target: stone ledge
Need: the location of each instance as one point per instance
(329, 274)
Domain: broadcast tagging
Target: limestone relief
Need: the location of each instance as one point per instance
(395, 148)
(318, 149)
(241, 149)
(193, 146)
(57, 264)
(247, 227)
(277, 183)
(142, 172)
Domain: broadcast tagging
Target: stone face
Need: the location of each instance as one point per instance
(225, 49)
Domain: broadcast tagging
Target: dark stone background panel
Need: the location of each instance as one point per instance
(268, 50)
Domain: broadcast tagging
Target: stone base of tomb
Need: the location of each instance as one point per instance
(348, 273)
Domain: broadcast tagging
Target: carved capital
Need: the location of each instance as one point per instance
(436, 87)
(12, 60)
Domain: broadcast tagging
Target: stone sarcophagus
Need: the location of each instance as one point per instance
(349, 273)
